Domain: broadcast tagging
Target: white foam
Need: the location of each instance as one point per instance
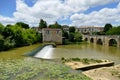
(45, 53)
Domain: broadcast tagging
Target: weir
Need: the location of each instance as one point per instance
(45, 53)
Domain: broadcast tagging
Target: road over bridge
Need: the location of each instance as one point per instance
(109, 40)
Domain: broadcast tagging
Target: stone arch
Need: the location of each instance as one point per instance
(92, 40)
(99, 41)
(112, 42)
(86, 39)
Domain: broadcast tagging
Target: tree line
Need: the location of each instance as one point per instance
(17, 35)
(109, 30)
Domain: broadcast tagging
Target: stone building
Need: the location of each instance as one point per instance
(89, 29)
(52, 35)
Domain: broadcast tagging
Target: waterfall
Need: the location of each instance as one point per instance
(45, 53)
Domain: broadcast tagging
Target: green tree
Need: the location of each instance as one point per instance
(77, 37)
(6, 44)
(1, 42)
(114, 31)
(56, 25)
(71, 37)
(107, 27)
(22, 24)
(42, 24)
(7, 32)
(1, 28)
(17, 36)
(65, 35)
(71, 29)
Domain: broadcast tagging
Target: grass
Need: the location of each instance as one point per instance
(36, 69)
(84, 60)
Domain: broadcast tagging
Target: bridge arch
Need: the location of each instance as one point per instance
(92, 40)
(112, 42)
(99, 41)
(86, 39)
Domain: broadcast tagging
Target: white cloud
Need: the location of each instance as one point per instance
(97, 18)
(53, 10)
(7, 20)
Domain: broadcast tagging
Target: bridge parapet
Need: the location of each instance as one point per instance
(105, 39)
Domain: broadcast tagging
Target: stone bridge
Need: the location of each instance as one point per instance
(109, 40)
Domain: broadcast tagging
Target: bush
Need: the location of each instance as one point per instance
(78, 37)
(17, 36)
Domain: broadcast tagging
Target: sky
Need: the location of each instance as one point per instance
(66, 12)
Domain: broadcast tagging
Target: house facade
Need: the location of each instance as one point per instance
(52, 35)
(90, 29)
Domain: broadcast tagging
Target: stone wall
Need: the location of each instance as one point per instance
(52, 35)
(105, 39)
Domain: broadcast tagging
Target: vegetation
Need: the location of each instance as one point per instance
(17, 36)
(77, 37)
(71, 29)
(34, 69)
(23, 25)
(74, 37)
(56, 25)
(84, 60)
(42, 24)
(114, 31)
(107, 27)
(109, 30)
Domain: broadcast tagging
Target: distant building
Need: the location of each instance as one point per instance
(52, 35)
(37, 29)
(90, 29)
(66, 28)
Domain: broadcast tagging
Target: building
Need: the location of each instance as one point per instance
(66, 28)
(52, 35)
(89, 29)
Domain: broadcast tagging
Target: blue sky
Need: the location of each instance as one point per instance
(66, 12)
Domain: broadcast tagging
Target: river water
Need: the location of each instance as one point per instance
(69, 51)
(87, 51)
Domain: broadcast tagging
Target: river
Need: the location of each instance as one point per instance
(88, 51)
(70, 51)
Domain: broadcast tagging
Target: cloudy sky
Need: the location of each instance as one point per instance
(68, 12)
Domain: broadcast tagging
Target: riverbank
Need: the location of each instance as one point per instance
(95, 69)
(105, 73)
(85, 64)
(17, 53)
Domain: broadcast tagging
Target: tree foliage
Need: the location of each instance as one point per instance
(42, 24)
(23, 25)
(107, 27)
(71, 37)
(114, 31)
(56, 25)
(16, 36)
(77, 37)
(1, 28)
(65, 34)
(71, 29)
